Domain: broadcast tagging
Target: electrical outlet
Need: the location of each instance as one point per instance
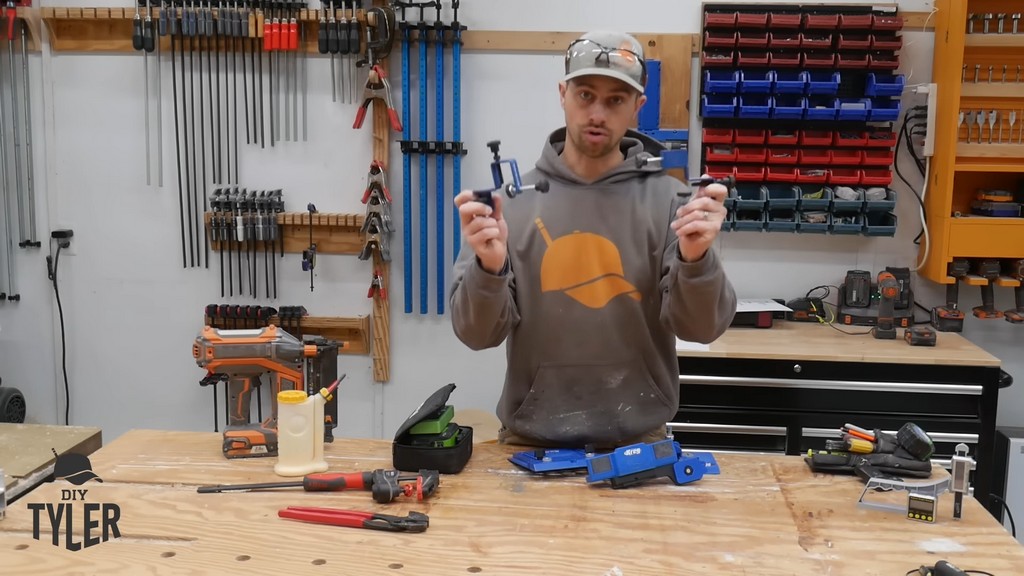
(929, 137)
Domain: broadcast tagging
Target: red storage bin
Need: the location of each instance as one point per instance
(812, 175)
(720, 39)
(783, 155)
(720, 153)
(749, 136)
(859, 139)
(777, 174)
(815, 138)
(884, 62)
(817, 156)
(879, 157)
(719, 19)
(821, 21)
(778, 58)
(783, 137)
(719, 170)
(880, 139)
(749, 173)
(717, 135)
(746, 39)
(819, 59)
(718, 58)
(852, 61)
(778, 20)
(886, 22)
(816, 40)
(854, 21)
(849, 41)
(876, 177)
(844, 176)
(784, 40)
(752, 58)
(847, 157)
(886, 42)
(750, 154)
(752, 19)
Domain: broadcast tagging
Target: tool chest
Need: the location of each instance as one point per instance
(800, 98)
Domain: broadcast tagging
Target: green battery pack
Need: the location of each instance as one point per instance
(445, 439)
(436, 423)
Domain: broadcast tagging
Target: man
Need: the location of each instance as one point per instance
(592, 282)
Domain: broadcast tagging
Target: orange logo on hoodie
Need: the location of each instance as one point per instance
(587, 267)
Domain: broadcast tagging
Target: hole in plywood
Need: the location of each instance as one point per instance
(243, 558)
(21, 546)
(319, 562)
(652, 43)
(395, 566)
(167, 554)
(474, 569)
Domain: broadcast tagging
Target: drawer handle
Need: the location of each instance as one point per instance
(913, 387)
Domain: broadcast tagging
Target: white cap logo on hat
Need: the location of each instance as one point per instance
(613, 54)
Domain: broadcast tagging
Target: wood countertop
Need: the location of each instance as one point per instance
(26, 451)
(807, 341)
(764, 514)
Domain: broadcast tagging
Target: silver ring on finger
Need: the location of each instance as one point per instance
(706, 213)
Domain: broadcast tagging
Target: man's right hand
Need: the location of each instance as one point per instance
(485, 230)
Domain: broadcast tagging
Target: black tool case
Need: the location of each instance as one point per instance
(446, 460)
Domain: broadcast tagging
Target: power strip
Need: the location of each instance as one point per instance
(929, 137)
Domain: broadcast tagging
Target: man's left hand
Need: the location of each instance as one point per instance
(699, 221)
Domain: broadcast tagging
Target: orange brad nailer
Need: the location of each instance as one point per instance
(241, 357)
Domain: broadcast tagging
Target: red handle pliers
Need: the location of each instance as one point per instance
(414, 522)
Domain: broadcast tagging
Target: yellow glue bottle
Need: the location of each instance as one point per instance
(300, 432)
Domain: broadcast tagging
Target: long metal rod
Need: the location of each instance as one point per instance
(29, 169)
(439, 191)
(159, 118)
(203, 47)
(406, 170)
(424, 176)
(177, 139)
(19, 190)
(189, 24)
(8, 241)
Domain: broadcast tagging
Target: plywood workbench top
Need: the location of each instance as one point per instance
(26, 451)
(763, 515)
(811, 341)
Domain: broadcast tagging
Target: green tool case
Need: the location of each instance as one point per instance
(430, 440)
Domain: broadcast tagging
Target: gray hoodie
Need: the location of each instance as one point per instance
(593, 299)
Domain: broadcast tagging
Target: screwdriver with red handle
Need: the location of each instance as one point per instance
(321, 482)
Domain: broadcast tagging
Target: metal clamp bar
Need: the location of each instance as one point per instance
(727, 429)
(860, 386)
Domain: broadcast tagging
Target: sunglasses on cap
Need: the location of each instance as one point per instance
(586, 54)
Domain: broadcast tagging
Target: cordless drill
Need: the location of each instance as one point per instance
(888, 290)
(950, 318)
(1015, 269)
(989, 270)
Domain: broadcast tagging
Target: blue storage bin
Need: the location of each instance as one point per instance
(749, 220)
(782, 196)
(784, 221)
(815, 197)
(853, 108)
(717, 106)
(885, 85)
(750, 197)
(790, 82)
(820, 108)
(755, 82)
(847, 223)
(884, 110)
(788, 106)
(887, 205)
(880, 224)
(808, 223)
(822, 81)
(755, 106)
(842, 205)
(721, 81)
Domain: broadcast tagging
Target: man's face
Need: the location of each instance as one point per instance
(598, 111)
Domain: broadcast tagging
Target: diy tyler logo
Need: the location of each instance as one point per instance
(98, 521)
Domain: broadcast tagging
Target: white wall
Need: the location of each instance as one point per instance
(131, 311)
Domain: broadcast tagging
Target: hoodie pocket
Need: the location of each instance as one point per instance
(597, 402)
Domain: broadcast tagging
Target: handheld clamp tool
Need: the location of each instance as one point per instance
(414, 522)
(375, 180)
(377, 86)
(511, 190)
(383, 485)
(377, 285)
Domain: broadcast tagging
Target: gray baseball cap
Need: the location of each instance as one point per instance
(613, 54)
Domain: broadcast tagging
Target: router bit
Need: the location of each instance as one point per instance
(1016, 21)
(977, 71)
(1004, 74)
(970, 23)
(990, 74)
(1000, 18)
(987, 18)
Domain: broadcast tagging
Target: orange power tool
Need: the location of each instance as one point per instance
(888, 290)
(241, 357)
